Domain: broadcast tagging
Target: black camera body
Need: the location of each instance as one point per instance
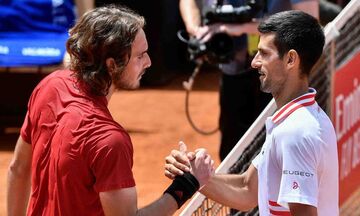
(220, 47)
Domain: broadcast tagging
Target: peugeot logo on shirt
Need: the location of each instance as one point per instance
(298, 173)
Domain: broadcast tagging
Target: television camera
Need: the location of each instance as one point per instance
(220, 47)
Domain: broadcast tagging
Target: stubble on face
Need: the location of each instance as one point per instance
(129, 77)
(274, 80)
(271, 71)
(121, 81)
(263, 87)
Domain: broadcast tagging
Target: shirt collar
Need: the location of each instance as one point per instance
(304, 100)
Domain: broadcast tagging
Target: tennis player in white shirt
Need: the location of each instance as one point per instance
(296, 171)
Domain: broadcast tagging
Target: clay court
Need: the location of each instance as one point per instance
(155, 118)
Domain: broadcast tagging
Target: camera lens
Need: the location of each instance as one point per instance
(221, 48)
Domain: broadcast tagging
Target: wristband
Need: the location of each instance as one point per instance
(183, 187)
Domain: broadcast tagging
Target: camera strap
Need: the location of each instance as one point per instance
(188, 87)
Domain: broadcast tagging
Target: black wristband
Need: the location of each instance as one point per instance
(183, 187)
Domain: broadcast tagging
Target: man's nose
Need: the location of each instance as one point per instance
(255, 63)
(148, 61)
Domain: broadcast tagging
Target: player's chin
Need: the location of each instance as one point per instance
(136, 84)
(133, 86)
(128, 86)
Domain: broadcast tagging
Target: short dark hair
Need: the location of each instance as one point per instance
(299, 31)
(104, 32)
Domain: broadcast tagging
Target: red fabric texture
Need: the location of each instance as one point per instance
(78, 149)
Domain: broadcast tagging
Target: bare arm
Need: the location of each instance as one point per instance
(19, 172)
(191, 15)
(83, 6)
(237, 191)
(124, 202)
(239, 29)
(297, 209)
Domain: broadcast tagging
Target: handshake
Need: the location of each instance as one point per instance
(189, 170)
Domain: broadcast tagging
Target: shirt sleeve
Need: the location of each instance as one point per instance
(111, 161)
(256, 161)
(27, 126)
(25, 131)
(299, 179)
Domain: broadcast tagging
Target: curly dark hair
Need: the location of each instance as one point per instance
(102, 33)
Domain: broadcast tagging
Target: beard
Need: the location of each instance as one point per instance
(264, 88)
(263, 84)
(122, 81)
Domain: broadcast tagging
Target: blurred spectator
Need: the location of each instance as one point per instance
(82, 6)
(33, 32)
(328, 11)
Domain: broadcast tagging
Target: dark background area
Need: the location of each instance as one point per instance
(167, 52)
(15, 90)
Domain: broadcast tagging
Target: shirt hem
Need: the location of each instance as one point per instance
(297, 199)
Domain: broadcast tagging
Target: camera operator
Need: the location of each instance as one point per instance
(240, 99)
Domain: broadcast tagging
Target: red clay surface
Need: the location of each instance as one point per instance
(156, 121)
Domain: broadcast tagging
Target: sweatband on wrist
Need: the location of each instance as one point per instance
(183, 187)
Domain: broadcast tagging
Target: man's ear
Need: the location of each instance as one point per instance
(292, 59)
(110, 65)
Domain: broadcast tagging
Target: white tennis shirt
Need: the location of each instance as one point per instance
(298, 162)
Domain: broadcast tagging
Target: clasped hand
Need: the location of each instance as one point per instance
(198, 163)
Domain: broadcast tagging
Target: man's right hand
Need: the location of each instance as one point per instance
(204, 33)
(198, 163)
